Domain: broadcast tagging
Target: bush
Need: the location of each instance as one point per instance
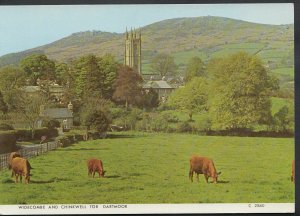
(169, 116)
(203, 124)
(159, 124)
(25, 135)
(184, 127)
(8, 141)
(6, 127)
(51, 124)
(64, 141)
(97, 120)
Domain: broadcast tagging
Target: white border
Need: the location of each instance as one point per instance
(147, 208)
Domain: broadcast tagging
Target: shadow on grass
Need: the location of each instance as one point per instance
(82, 149)
(223, 182)
(113, 176)
(48, 181)
(118, 136)
(7, 181)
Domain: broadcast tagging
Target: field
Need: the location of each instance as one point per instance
(153, 168)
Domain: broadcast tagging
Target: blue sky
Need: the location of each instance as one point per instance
(25, 27)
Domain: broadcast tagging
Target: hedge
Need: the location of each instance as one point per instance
(8, 141)
(25, 135)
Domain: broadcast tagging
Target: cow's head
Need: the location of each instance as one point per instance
(27, 178)
(215, 177)
(102, 173)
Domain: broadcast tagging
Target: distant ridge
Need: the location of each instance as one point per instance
(206, 37)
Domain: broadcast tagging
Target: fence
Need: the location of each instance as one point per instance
(29, 152)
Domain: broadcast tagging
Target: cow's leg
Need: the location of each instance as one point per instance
(21, 178)
(197, 177)
(206, 177)
(17, 176)
(93, 174)
(12, 173)
(191, 175)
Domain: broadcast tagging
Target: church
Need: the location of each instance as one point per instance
(133, 59)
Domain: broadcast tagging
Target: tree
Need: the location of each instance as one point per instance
(38, 66)
(28, 110)
(108, 67)
(12, 78)
(283, 120)
(3, 105)
(195, 68)
(97, 120)
(90, 105)
(95, 76)
(163, 64)
(192, 98)
(128, 86)
(62, 73)
(239, 87)
(151, 99)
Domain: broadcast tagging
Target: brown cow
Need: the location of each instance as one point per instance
(293, 171)
(95, 165)
(12, 156)
(21, 167)
(203, 165)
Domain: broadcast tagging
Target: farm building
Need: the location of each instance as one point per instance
(63, 115)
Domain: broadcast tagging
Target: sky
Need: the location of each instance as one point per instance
(25, 27)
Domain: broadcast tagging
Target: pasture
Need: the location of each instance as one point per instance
(153, 168)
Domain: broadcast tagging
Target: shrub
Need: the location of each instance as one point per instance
(8, 141)
(184, 127)
(159, 124)
(169, 116)
(202, 124)
(97, 120)
(51, 124)
(25, 135)
(6, 127)
(64, 141)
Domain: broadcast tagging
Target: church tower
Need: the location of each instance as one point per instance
(133, 50)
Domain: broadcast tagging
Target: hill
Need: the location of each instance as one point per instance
(206, 37)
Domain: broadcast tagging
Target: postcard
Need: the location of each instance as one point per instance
(154, 108)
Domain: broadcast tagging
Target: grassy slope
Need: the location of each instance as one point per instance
(153, 168)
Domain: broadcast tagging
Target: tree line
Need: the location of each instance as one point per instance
(233, 92)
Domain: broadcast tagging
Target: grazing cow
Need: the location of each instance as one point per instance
(12, 156)
(293, 171)
(95, 165)
(21, 167)
(203, 165)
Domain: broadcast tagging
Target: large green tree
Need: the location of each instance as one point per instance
(163, 64)
(12, 78)
(194, 68)
(239, 92)
(95, 76)
(38, 66)
(192, 98)
(128, 86)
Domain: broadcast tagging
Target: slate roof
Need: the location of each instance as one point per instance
(160, 84)
(58, 113)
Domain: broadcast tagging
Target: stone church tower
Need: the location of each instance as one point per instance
(133, 50)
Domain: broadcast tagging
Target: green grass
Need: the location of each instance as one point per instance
(153, 168)
(277, 103)
(284, 71)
